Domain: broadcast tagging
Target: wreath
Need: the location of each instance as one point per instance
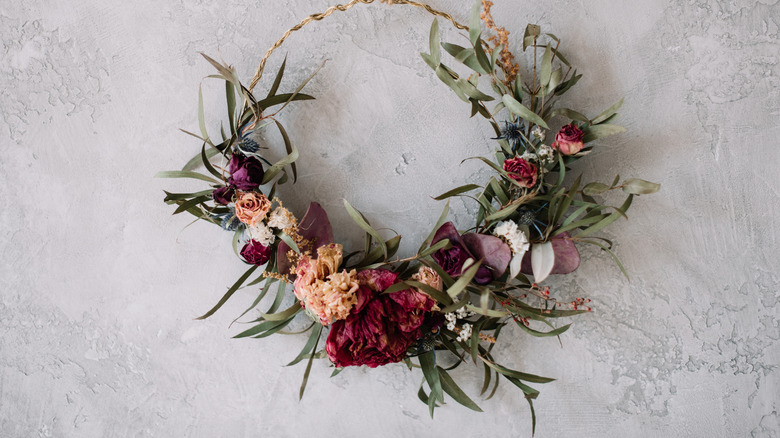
(447, 304)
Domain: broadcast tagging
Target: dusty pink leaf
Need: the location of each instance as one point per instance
(493, 252)
(315, 227)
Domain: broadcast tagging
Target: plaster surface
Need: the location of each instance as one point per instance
(99, 284)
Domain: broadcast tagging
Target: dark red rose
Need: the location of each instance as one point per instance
(490, 250)
(381, 328)
(569, 140)
(246, 173)
(521, 171)
(256, 253)
(223, 195)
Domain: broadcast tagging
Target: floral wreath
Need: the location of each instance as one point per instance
(460, 289)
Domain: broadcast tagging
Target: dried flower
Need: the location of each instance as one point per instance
(281, 218)
(261, 233)
(252, 207)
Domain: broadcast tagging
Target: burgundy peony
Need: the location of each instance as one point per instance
(223, 195)
(381, 328)
(256, 253)
(569, 140)
(490, 250)
(246, 173)
(521, 171)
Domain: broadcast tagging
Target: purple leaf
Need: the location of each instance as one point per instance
(314, 227)
(567, 257)
(446, 231)
(493, 252)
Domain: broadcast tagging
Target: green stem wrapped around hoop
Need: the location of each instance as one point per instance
(457, 293)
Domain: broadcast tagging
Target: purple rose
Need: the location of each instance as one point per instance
(490, 250)
(256, 253)
(246, 173)
(223, 195)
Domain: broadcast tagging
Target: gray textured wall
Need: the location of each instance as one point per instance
(99, 284)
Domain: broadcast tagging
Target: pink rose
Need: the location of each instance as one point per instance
(521, 171)
(569, 140)
(252, 207)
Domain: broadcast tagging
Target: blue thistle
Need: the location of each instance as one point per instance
(513, 133)
(228, 221)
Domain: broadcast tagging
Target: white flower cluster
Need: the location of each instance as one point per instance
(281, 218)
(513, 236)
(262, 234)
(538, 132)
(465, 333)
(465, 329)
(545, 153)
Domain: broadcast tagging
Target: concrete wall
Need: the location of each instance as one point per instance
(99, 284)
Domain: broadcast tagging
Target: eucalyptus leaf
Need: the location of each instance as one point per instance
(521, 111)
(638, 186)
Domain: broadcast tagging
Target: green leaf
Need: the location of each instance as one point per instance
(277, 79)
(230, 292)
(482, 58)
(516, 374)
(595, 188)
(463, 281)
(457, 191)
(540, 334)
(520, 110)
(308, 368)
(570, 114)
(503, 213)
(274, 170)
(451, 388)
(429, 369)
(285, 314)
(263, 292)
(315, 335)
(230, 94)
(282, 98)
(362, 223)
(289, 147)
(434, 42)
(609, 112)
(442, 72)
(532, 32)
(436, 294)
(612, 254)
(201, 116)
(545, 70)
(196, 160)
(637, 186)
(207, 163)
(609, 219)
(475, 22)
(186, 205)
(595, 132)
(433, 248)
(185, 174)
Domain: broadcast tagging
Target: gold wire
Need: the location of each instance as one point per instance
(331, 10)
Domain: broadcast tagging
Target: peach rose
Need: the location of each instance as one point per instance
(252, 207)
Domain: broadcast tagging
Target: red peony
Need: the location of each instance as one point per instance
(521, 171)
(381, 328)
(569, 140)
